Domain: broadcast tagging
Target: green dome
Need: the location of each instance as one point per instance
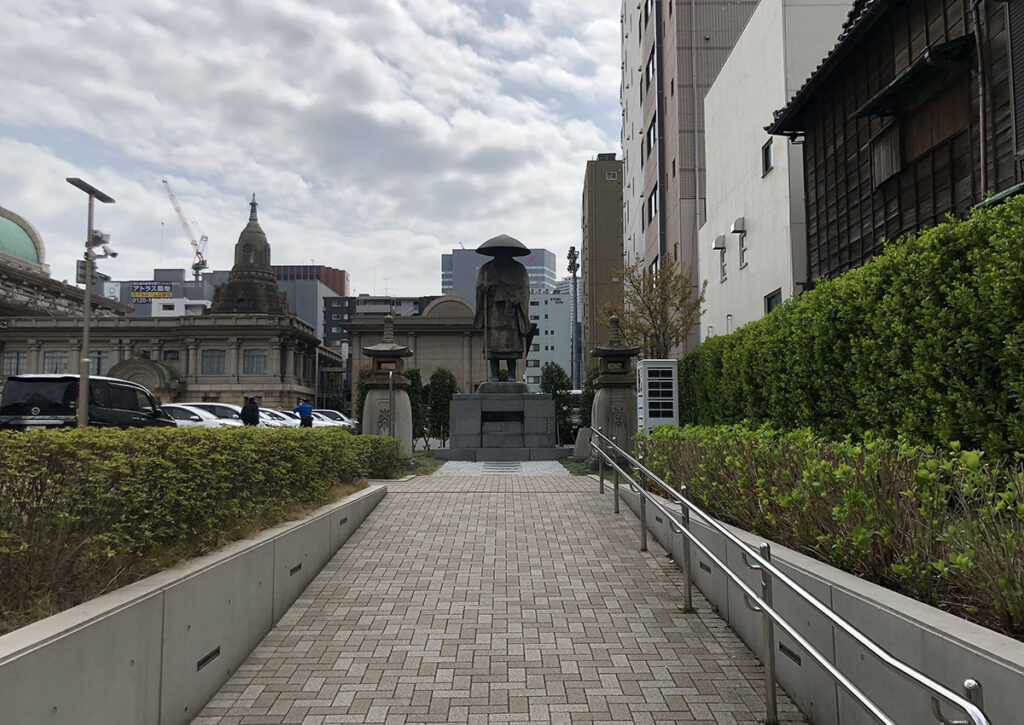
(16, 239)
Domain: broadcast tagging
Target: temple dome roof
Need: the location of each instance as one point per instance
(19, 239)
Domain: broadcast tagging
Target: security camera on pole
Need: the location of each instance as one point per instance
(86, 272)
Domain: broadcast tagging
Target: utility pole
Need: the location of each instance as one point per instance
(93, 238)
(574, 357)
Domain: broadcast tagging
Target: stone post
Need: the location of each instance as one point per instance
(614, 410)
(387, 410)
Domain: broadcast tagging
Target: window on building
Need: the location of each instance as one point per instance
(534, 317)
(652, 204)
(743, 250)
(171, 355)
(773, 300)
(767, 157)
(721, 265)
(534, 303)
(673, 168)
(166, 307)
(213, 362)
(652, 135)
(533, 363)
(55, 361)
(13, 363)
(652, 69)
(247, 254)
(99, 362)
(254, 362)
(535, 347)
(611, 176)
(885, 154)
(534, 379)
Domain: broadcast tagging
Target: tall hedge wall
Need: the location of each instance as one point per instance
(926, 341)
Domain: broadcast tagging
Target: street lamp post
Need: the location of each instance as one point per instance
(574, 354)
(91, 240)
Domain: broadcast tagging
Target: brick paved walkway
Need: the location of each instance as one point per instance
(496, 598)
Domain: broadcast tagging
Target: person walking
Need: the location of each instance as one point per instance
(305, 411)
(250, 414)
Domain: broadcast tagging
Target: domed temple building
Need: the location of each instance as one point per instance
(247, 343)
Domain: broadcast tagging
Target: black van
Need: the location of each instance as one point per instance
(30, 402)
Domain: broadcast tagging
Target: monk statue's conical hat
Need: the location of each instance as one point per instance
(493, 247)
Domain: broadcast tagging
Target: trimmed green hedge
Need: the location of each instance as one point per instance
(941, 527)
(87, 511)
(926, 341)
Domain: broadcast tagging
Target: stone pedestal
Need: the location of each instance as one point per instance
(499, 426)
(378, 415)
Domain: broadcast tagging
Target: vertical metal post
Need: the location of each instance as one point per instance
(83, 362)
(688, 588)
(643, 522)
(768, 629)
(616, 492)
(600, 461)
(615, 455)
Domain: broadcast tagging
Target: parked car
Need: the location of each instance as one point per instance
(337, 416)
(317, 422)
(186, 416)
(324, 420)
(283, 420)
(231, 411)
(30, 402)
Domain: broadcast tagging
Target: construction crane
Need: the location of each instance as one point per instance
(199, 247)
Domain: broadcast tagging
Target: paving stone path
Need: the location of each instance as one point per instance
(473, 598)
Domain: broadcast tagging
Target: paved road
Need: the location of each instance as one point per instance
(475, 598)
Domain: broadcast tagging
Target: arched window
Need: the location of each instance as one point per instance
(247, 256)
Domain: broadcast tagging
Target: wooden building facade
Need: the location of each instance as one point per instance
(899, 127)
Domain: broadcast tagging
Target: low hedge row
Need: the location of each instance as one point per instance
(943, 527)
(86, 511)
(926, 341)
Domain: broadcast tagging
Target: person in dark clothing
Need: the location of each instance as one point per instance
(305, 411)
(250, 414)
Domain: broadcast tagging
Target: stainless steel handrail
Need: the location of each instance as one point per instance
(971, 707)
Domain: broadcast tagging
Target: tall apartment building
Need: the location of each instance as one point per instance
(753, 244)
(672, 51)
(601, 256)
(551, 312)
(459, 270)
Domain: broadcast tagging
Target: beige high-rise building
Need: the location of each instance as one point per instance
(672, 50)
(601, 256)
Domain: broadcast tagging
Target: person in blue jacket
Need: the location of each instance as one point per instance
(305, 411)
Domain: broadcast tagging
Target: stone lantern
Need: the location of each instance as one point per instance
(614, 410)
(386, 409)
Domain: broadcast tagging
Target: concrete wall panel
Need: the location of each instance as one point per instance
(213, 621)
(299, 554)
(105, 672)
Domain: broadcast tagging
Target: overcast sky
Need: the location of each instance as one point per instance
(376, 134)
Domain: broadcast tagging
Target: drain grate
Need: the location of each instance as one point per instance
(502, 467)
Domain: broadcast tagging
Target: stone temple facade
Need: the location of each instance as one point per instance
(248, 344)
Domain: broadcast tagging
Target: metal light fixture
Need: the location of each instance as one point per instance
(93, 238)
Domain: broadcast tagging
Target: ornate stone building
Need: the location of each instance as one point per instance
(247, 344)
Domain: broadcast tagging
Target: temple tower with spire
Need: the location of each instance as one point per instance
(252, 285)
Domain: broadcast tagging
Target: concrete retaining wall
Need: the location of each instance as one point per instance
(948, 649)
(157, 650)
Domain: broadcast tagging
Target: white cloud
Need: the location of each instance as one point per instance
(375, 136)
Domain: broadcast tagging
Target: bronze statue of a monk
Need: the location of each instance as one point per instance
(502, 304)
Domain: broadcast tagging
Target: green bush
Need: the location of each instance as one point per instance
(926, 342)
(943, 527)
(87, 511)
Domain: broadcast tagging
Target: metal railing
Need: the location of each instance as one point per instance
(609, 454)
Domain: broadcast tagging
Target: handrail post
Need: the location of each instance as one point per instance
(768, 630)
(688, 588)
(600, 462)
(615, 455)
(643, 522)
(616, 492)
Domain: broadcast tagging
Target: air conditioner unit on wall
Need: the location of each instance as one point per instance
(739, 226)
(719, 242)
